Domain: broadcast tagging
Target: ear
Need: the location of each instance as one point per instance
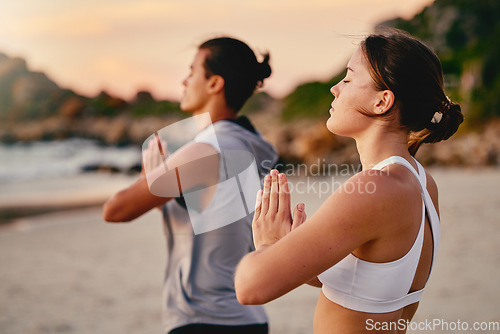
(215, 84)
(385, 101)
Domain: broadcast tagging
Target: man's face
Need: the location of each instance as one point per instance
(195, 95)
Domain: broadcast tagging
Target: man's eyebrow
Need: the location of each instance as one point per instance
(349, 69)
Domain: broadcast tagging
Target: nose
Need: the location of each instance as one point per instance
(184, 82)
(335, 90)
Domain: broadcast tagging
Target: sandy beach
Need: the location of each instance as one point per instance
(69, 272)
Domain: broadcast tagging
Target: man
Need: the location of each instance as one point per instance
(204, 239)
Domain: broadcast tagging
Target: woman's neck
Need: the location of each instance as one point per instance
(380, 144)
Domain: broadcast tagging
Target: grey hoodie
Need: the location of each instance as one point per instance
(199, 277)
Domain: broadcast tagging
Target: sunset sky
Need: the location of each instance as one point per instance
(122, 46)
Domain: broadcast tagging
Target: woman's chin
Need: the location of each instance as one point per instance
(329, 125)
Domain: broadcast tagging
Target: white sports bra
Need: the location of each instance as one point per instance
(383, 287)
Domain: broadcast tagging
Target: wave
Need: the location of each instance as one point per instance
(55, 159)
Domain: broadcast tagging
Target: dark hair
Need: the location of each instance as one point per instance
(236, 63)
(412, 71)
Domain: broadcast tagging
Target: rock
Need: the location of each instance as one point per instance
(143, 97)
(110, 130)
(31, 87)
(72, 107)
(478, 148)
(23, 94)
(100, 168)
(142, 128)
(313, 142)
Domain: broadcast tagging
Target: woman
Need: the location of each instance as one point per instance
(372, 244)
(198, 292)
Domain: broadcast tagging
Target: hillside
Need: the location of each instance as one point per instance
(33, 107)
(465, 35)
(23, 93)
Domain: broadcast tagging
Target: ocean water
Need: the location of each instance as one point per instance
(66, 158)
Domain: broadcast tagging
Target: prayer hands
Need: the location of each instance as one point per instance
(272, 218)
(155, 155)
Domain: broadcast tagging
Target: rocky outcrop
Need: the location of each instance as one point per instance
(120, 130)
(23, 93)
(300, 141)
(475, 148)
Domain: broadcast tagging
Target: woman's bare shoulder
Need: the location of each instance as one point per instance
(385, 184)
(376, 196)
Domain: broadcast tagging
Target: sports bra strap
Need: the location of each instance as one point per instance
(429, 205)
(400, 161)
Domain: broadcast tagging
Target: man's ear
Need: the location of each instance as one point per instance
(216, 84)
(385, 101)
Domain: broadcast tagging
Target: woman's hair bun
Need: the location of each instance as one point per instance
(439, 128)
(451, 118)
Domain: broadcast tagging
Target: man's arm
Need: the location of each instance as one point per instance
(131, 202)
(196, 163)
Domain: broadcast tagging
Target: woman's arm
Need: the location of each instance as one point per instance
(315, 282)
(286, 258)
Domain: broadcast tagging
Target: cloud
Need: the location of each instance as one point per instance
(89, 20)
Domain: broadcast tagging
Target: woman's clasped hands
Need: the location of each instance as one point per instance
(273, 218)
